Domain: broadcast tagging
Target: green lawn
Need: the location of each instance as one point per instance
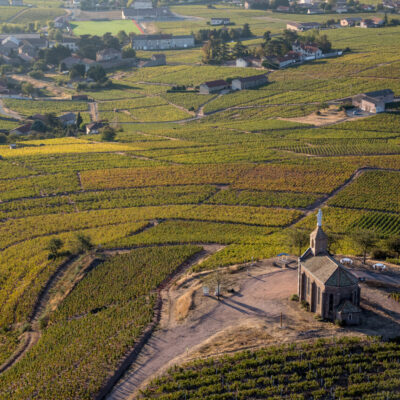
(102, 27)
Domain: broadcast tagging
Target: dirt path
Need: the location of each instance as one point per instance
(94, 112)
(17, 15)
(9, 113)
(59, 92)
(31, 337)
(260, 298)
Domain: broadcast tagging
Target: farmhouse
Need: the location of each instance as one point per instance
(146, 14)
(350, 21)
(330, 290)
(249, 82)
(310, 51)
(220, 21)
(94, 127)
(244, 62)
(68, 119)
(285, 61)
(302, 26)
(108, 55)
(162, 42)
(372, 23)
(156, 60)
(341, 7)
(22, 130)
(373, 102)
(142, 4)
(213, 86)
(60, 22)
(67, 41)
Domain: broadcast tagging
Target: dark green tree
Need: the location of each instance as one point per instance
(54, 246)
(97, 73)
(108, 134)
(239, 50)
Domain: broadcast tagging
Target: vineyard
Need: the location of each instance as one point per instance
(239, 171)
(347, 368)
(95, 331)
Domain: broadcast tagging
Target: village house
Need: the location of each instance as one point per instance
(314, 10)
(372, 23)
(373, 102)
(94, 127)
(213, 86)
(68, 119)
(347, 22)
(328, 288)
(220, 21)
(60, 22)
(70, 61)
(142, 4)
(80, 97)
(285, 61)
(341, 6)
(302, 26)
(283, 9)
(244, 62)
(108, 55)
(9, 45)
(22, 129)
(308, 52)
(156, 60)
(68, 42)
(249, 82)
(162, 42)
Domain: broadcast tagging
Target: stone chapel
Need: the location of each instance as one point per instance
(326, 285)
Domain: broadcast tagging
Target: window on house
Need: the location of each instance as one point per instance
(350, 317)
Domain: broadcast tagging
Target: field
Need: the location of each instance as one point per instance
(101, 27)
(347, 368)
(189, 170)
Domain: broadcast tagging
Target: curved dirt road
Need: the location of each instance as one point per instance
(260, 298)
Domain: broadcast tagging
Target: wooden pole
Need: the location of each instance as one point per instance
(281, 320)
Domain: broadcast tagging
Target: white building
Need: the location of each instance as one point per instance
(142, 4)
(162, 42)
(220, 21)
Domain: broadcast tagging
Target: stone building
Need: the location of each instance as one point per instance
(249, 82)
(162, 42)
(327, 286)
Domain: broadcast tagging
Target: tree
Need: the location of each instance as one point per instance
(83, 243)
(27, 88)
(108, 134)
(110, 42)
(239, 50)
(97, 73)
(297, 239)
(122, 37)
(267, 36)
(128, 52)
(3, 138)
(393, 244)
(79, 120)
(39, 126)
(246, 32)
(53, 247)
(77, 71)
(363, 239)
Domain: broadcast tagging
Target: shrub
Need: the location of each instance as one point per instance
(294, 297)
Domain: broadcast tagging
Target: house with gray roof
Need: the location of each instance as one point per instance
(373, 102)
(326, 285)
